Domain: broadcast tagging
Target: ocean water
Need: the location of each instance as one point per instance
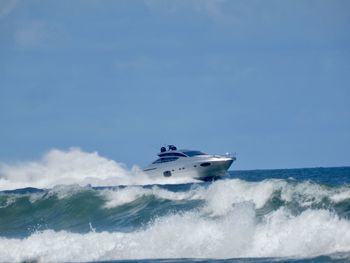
(73, 206)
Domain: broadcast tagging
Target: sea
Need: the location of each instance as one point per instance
(280, 215)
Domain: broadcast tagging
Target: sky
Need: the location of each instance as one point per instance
(267, 80)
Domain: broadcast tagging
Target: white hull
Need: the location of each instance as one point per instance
(203, 167)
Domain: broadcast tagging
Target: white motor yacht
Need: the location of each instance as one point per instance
(196, 164)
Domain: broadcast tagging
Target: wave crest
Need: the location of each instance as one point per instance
(58, 167)
(189, 235)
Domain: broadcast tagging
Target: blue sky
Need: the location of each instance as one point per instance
(269, 80)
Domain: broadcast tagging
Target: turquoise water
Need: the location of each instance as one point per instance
(289, 215)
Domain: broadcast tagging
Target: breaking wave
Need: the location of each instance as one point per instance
(77, 206)
(225, 219)
(189, 235)
(58, 167)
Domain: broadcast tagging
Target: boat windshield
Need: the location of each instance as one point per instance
(193, 153)
(171, 154)
(165, 160)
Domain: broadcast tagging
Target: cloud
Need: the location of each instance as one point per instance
(32, 34)
(211, 8)
(7, 6)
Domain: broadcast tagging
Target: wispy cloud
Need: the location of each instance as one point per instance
(7, 6)
(211, 8)
(31, 35)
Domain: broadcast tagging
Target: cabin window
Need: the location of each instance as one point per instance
(167, 173)
(165, 160)
(205, 164)
(193, 153)
(172, 154)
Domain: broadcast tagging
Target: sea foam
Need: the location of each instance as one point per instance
(190, 235)
(233, 218)
(58, 167)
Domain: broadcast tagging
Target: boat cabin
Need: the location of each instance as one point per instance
(172, 154)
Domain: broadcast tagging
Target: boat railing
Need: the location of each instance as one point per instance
(229, 155)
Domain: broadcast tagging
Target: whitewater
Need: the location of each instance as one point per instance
(78, 206)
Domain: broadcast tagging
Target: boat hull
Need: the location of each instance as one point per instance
(201, 168)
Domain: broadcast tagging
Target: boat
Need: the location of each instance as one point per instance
(172, 162)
